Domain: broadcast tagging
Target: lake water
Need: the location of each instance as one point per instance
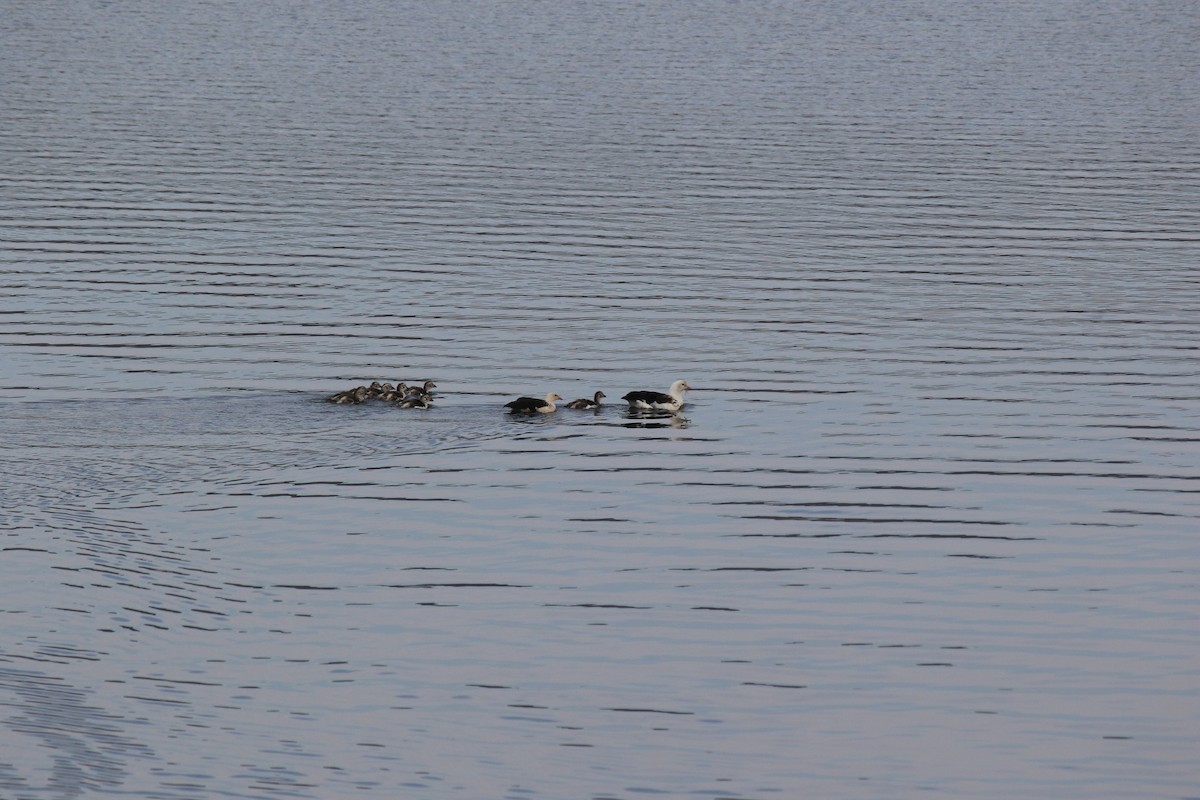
(928, 525)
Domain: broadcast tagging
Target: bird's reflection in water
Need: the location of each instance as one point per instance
(654, 419)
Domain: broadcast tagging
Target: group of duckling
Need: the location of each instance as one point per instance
(401, 395)
(404, 396)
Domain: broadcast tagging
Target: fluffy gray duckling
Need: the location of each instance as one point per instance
(426, 388)
(356, 395)
(416, 401)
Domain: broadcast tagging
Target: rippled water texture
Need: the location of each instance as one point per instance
(927, 526)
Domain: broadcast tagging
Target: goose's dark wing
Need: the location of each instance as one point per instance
(648, 397)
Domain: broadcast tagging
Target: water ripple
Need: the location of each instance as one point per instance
(930, 270)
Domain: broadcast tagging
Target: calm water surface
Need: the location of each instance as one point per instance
(927, 527)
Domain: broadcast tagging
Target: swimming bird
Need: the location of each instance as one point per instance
(405, 389)
(583, 402)
(356, 395)
(657, 401)
(531, 405)
(416, 401)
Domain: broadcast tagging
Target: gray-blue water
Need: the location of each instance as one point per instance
(928, 525)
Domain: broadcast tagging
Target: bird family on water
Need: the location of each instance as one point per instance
(405, 396)
(672, 401)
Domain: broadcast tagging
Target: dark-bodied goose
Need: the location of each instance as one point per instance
(583, 402)
(657, 401)
(531, 405)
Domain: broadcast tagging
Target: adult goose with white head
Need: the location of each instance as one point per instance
(657, 401)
